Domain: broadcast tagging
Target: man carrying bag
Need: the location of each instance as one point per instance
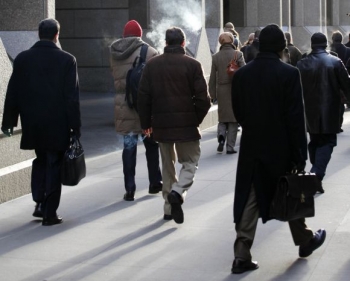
(44, 92)
(271, 113)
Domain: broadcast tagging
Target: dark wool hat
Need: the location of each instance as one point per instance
(272, 39)
(318, 39)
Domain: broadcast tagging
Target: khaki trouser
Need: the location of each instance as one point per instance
(188, 154)
(246, 229)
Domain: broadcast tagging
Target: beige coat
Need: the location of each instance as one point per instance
(122, 55)
(220, 82)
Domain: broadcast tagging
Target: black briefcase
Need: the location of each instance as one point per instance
(294, 197)
(73, 167)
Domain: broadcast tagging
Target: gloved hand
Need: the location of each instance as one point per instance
(75, 132)
(7, 131)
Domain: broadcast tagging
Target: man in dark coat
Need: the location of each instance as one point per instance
(294, 52)
(343, 52)
(173, 100)
(44, 91)
(253, 49)
(273, 142)
(323, 76)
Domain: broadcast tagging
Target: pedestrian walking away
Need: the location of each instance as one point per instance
(44, 92)
(324, 79)
(173, 100)
(273, 142)
(123, 53)
(220, 89)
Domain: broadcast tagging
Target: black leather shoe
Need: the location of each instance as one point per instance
(129, 196)
(52, 221)
(313, 244)
(176, 201)
(168, 217)
(231, 152)
(154, 189)
(37, 211)
(240, 266)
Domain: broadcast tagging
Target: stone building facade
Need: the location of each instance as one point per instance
(89, 26)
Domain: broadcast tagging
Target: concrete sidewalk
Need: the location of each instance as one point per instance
(105, 238)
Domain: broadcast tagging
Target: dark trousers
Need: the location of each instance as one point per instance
(246, 229)
(320, 152)
(129, 161)
(46, 180)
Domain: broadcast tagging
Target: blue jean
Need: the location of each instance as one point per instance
(129, 161)
(320, 152)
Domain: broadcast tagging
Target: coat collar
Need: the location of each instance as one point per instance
(175, 49)
(267, 55)
(45, 43)
(318, 51)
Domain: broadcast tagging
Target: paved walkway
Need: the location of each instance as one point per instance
(106, 238)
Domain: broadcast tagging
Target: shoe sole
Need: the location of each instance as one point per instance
(176, 210)
(240, 270)
(37, 215)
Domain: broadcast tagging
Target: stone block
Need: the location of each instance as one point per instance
(96, 80)
(18, 41)
(252, 13)
(6, 71)
(91, 4)
(302, 38)
(213, 13)
(88, 52)
(15, 184)
(342, 13)
(67, 21)
(269, 12)
(211, 119)
(99, 23)
(139, 10)
(19, 15)
(213, 36)
(312, 15)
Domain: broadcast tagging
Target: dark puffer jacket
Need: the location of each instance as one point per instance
(323, 76)
(173, 98)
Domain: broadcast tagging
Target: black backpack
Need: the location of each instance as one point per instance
(133, 77)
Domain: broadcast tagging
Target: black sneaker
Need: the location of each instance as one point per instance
(129, 196)
(220, 148)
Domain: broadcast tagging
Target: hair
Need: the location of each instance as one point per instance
(288, 37)
(48, 28)
(257, 33)
(337, 36)
(174, 36)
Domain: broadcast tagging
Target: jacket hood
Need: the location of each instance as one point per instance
(122, 48)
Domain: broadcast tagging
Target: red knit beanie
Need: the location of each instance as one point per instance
(132, 28)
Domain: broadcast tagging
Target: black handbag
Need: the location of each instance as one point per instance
(73, 165)
(294, 196)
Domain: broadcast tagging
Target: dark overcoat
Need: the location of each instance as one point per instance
(173, 96)
(323, 76)
(268, 104)
(44, 91)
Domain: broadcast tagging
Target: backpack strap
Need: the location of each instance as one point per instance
(143, 53)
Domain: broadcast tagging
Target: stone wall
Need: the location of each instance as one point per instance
(18, 31)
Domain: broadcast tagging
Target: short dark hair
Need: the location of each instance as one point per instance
(48, 28)
(174, 36)
(337, 36)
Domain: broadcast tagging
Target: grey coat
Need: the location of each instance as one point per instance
(220, 82)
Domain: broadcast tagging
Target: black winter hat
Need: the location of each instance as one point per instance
(318, 39)
(272, 39)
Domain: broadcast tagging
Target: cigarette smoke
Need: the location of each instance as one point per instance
(186, 14)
